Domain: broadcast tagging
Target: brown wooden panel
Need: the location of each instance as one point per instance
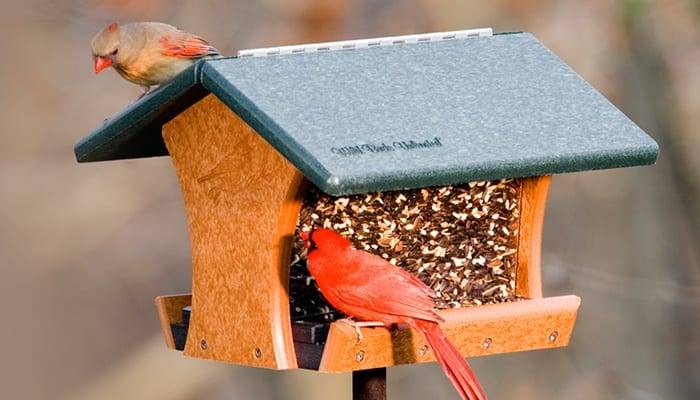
(239, 194)
(476, 331)
(169, 312)
(533, 199)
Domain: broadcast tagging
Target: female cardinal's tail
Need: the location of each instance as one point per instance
(454, 365)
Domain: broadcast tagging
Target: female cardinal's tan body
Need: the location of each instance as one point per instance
(369, 288)
(148, 53)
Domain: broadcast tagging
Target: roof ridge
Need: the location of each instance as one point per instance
(361, 43)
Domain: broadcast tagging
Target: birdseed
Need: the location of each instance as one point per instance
(460, 240)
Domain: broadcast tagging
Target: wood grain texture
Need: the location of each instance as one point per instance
(475, 331)
(533, 200)
(239, 196)
(169, 312)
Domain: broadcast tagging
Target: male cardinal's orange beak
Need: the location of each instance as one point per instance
(102, 63)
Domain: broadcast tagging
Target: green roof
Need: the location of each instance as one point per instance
(400, 116)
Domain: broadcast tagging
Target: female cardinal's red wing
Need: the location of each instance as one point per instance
(183, 44)
(370, 287)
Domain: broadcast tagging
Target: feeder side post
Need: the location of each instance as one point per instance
(533, 199)
(238, 193)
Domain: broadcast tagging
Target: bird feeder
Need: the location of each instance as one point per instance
(402, 144)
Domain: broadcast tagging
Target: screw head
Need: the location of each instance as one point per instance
(423, 351)
(487, 343)
(257, 353)
(203, 344)
(360, 356)
(553, 336)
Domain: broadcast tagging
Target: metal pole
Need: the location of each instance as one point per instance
(369, 384)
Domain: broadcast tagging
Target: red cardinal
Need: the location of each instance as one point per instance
(367, 287)
(148, 53)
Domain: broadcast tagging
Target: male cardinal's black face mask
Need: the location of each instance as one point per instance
(312, 244)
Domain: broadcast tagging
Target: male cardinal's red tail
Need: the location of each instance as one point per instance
(454, 365)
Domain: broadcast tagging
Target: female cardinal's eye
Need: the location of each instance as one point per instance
(114, 52)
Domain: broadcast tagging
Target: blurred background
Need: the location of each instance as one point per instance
(86, 247)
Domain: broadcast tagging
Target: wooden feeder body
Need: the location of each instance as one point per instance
(241, 255)
(246, 135)
(240, 199)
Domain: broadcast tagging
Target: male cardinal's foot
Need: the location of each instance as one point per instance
(359, 324)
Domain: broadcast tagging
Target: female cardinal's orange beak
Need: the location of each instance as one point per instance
(102, 63)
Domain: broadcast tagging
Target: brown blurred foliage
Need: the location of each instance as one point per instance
(85, 248)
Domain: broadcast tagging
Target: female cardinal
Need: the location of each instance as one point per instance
(148, 53)
(367, 287)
